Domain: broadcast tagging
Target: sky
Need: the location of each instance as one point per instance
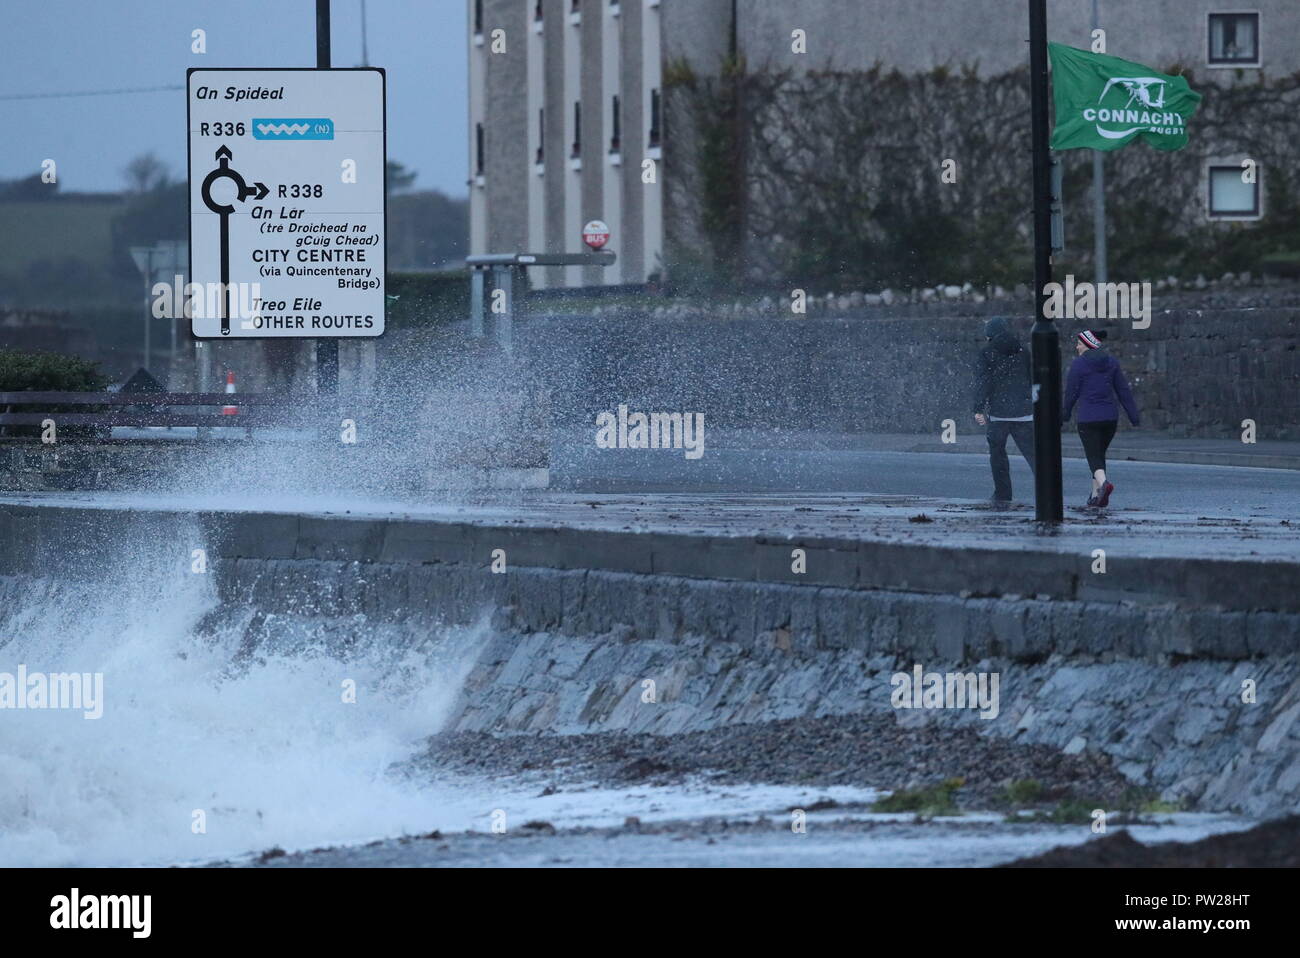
(73, 46)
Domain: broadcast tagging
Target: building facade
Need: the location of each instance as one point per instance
(565, 127)
(566, 96)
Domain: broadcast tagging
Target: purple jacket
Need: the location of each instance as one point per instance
(1095, 380)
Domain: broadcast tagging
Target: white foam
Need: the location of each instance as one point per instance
(270, 753)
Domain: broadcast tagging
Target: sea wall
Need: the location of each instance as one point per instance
(1198, 698)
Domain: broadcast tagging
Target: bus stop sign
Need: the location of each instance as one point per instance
(595, 234)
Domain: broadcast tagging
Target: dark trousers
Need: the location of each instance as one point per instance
(1023, 434)
(1096, 437)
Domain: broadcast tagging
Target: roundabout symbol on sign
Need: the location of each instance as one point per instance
(245, 192)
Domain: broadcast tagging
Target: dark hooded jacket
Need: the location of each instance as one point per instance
(1003, 385)
(1094, 381)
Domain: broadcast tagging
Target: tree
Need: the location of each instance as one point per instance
(159, 214)
(145, 174)
(399, 177)
(426, 228)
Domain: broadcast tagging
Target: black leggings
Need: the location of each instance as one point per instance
(1096, 438)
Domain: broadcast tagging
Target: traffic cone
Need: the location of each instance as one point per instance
(230, 388)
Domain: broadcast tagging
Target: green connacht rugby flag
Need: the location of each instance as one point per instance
(1104, 103)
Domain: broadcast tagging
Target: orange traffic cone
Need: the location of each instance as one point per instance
(230, 388)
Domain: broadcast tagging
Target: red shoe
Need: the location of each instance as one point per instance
(1103, 498)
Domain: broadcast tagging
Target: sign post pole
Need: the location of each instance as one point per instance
(1044, 339)
(173, 271)
(327, 350)
(476, 286)
(1098, 194)
(148, 306)
(503, 281)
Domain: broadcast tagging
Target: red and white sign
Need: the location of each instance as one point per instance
(595, 234)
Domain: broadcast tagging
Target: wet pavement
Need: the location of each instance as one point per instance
(1183, 529)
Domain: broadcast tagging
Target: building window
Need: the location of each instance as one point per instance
(1234, 39)
(654, 118)
(577, 129)
(541, 136)
(615, 125)
(537, 11)
(478, 17)
(478, 149)
(1230, 197)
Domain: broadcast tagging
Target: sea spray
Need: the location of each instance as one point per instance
(196, 758)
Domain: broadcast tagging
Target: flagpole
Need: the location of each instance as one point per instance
(1044, 340)
(1098, 191)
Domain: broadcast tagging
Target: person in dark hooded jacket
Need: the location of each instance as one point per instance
(1095, 379)
(1003, 394)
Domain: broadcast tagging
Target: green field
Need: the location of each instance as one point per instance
(57, 253)
(35, 230)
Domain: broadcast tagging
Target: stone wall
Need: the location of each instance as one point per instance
(1156, 689)
(1194, 372)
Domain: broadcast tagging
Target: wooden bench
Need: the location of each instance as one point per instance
(155, 409)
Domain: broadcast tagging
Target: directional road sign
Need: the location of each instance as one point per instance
(287, 202)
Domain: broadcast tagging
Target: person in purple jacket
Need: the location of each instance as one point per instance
(1094, 381)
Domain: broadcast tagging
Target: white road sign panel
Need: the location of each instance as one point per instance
(287, 202)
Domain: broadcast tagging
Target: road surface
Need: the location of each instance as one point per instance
(576, 464)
